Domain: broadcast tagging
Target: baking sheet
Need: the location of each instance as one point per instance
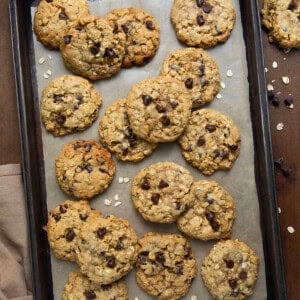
(240, 181)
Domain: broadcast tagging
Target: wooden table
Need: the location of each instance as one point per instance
(286, 143)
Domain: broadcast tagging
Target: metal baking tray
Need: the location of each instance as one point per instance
(33, 160)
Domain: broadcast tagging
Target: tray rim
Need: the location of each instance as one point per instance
(33, 163)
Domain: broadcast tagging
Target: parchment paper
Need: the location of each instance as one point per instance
(239, 181)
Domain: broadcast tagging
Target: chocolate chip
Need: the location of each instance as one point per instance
(271, 95)
(207, 8)
(278, 162)
(101, 232)
(224, 154)
(229, 263)
(102, 253)
(142, 258)
(67, 39)
(125, 28)
(146, 100)
(57, 217)
(87, 147)
(189, 83)
(209, 215)
(70, 234)
(209, 200)
(293, 5)
(215, 225)
(200, 20)
(233, 147)
(79, 27)
(125, 152)
(89, 168)
(232, 283)
(76, 146)
(155, 198)
(165, 120)
(201, 141)
(173, 104)
(160, 108)
(103, 170)
(106, 287)
(243, 275)
(201, 69)
(160, 257)
(111, 262)
(178, 205)
(145, 185)
(216, 153)
(179, 268)
(60, 119)
(199, 2)
(188, 251)
(203, 82)
(163, 184)
(109, 52)
(149, 25)
(49, 1)
(210, 128)
(89, 294)
(286, 171)
(57, 98)
(119, 244)
(62, 209)
(83, 217)
(288, 101)
(63, 16)
(116, 28)
(275, 101)
(95, 49)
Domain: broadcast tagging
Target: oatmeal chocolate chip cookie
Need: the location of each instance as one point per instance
(142, 34)
(230, 270)
(69, 104)
(211, 214)
(91, 48)
(197, 70)
(203, 23)
(107, 249)
(79, 287)
(158, 109)
(161, 192)
(84, 169)
(210, 142)
(166, 265)
(52, 17)
(64, 223)
(115, 134)
(282, 19)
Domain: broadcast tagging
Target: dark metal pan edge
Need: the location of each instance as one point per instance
(33, 168)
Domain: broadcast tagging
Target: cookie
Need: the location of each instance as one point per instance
(166, 265)
(52, 17)
(107, 249)
(282, 19)
(91, 48)
(84, 169)
(203, 23)
(230, 270)
(161, 192)
(69, 104)
(211, 141)
(197, 70)
(64, 223)
(116, 135)
(158, 109)
(142, 34)
(211, 214)
(79, 287)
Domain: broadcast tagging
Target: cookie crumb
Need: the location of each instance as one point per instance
(219, 96)
(270, 87)
(126, 179)
(284, 58)
(42, 60)
(121, 180)
(117, 203)
(285, 80)
(290, 229)
(116, 197)
(279, 210)
(278, 93)
(229, 73)
(223, 85)
(279, 126)
(274, 64)
(107, 202)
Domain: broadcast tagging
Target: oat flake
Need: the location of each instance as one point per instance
(270, 87)
(219, 96)
(223, 85)
(121, 179)
(274, 64)
(285, 80)
(291, 229)
(229, 73)
(126, 179)
(107, 202)
(117, 203)
(279, 126)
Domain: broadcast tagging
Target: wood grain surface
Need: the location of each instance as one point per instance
(286, 143)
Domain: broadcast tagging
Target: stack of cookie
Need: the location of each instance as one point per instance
(92, 46)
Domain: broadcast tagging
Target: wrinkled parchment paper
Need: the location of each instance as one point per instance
(240, 181)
